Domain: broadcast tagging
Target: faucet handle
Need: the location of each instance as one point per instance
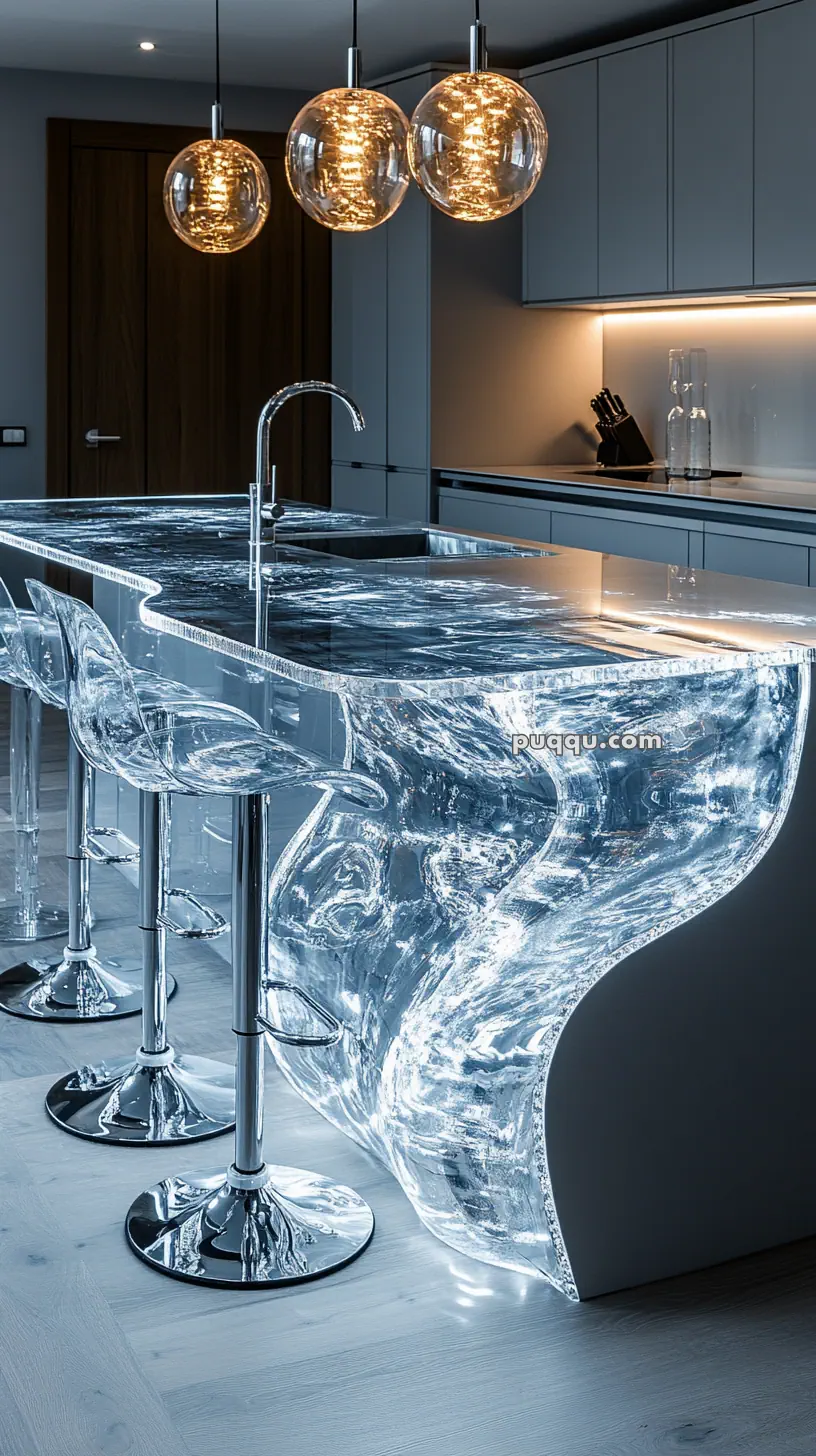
(272, 513)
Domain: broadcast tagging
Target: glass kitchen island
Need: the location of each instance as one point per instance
(588, 761)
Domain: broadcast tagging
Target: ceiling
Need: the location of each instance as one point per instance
(301, 43)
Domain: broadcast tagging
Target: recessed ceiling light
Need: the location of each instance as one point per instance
(146, 45)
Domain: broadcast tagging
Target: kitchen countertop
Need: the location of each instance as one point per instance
(440, 627)
(776, 493)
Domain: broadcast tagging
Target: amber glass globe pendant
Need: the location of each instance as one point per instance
(216, 192)
(347, 154)
(478, 140)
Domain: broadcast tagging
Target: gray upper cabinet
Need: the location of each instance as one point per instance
(785, 146)
(633, 185)
(679, 165)
(561, 218)
(360, 342)
(713, 78)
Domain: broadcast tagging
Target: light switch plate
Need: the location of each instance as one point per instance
(13, 435)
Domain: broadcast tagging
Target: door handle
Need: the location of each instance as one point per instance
(93, 439)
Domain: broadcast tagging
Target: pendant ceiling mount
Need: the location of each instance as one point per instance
(347, 153)
(216, 192)
(478, 140)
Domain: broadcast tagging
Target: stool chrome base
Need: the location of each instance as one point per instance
(17, 928)
(77, 988)
(186, 1100)
(207, 1229)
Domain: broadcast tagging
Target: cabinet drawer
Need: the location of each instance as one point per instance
(750, 556)
(358, 490)
(472, 513)
(621, 538)
(408, 495)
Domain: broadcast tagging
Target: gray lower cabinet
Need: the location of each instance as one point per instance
(754, 554)
(713, 142)
(359, 489)
(785, 146)
(407, 494)
(621, 536)
(561, 217)
(464, 512)
(633, 171)
(755, 551)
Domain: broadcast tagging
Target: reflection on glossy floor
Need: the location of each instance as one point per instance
(411, 1349)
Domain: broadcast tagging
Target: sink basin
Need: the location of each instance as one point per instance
(399, 545)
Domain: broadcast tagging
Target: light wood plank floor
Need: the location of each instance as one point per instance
(412, 1349)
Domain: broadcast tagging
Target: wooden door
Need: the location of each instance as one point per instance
(170, 351)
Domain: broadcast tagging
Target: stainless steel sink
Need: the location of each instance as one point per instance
(399, 545)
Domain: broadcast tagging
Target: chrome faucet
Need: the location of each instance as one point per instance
(264, 505)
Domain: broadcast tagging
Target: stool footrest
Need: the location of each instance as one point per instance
(213, 923)
(330, 1037)
(94, 848)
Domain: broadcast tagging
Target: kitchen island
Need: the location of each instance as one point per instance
(564, 1029)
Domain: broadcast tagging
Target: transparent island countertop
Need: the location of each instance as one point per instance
(450, 619)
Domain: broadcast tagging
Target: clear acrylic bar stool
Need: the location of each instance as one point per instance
(250, 1225)
(78, 986)
(24, 919)
(156, 1096)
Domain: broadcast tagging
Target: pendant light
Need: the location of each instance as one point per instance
(347, 153)
(478, 140)
(216, 192)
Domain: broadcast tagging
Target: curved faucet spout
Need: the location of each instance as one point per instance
(264, 470)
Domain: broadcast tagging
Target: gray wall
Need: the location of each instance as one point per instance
(27, 99)
(762, 379)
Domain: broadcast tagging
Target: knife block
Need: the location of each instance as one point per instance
(623, 444)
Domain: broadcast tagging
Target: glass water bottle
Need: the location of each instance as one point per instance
(677, 422)
(699, 424)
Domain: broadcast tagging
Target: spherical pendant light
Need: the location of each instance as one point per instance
(216, 192)
(216, 195)
(478, 141)
(347, 154)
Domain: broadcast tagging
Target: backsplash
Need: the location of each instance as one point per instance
(761, 373)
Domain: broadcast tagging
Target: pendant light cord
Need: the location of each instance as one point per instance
(354, 24)
(476, 15)
(217, 53)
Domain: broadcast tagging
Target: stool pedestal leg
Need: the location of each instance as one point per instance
(79, 987)
(252, 1225)
(156, 1097)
